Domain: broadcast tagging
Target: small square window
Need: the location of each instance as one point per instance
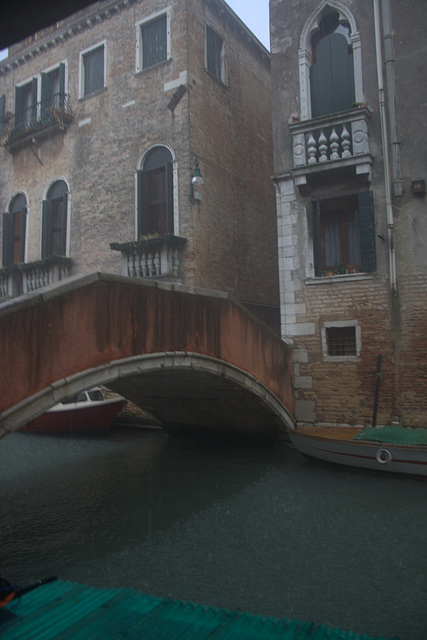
(215, 54)
(92, 70)
(341, 341)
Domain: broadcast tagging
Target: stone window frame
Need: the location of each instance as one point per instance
(82, 95)
(139, 65)
(223, 77)
(305, 57)
(341, 324)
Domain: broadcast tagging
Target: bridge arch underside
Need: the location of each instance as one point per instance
(187, 392)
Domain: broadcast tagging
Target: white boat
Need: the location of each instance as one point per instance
(88, 411)
(391, 449)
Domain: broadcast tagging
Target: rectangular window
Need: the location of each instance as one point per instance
(341, 341)
(215, 54)
(53, 89)
(26, 103)
(344, 235)
(153, 40)
(92, 70)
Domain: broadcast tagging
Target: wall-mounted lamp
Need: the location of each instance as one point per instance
(418, 187)
(196, 181)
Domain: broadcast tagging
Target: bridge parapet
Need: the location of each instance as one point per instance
(183, 351)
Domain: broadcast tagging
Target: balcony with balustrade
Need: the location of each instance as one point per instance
(331, 142)
(154, 257)
(35, 121)
(18, 279)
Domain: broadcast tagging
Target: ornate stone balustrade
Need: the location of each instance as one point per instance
(156, 257)
(339, 139)
(18, 279)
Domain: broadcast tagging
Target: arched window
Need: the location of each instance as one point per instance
(54, 220)
(330, 61)
(14, 227)
(155, 193)
(332, 69)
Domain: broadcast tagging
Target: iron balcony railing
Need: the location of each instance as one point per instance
(52, 113)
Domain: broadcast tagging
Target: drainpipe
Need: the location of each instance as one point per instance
(384, 135)
(389, 67)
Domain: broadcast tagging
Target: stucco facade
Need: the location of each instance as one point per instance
(141, 86)
(351, 205)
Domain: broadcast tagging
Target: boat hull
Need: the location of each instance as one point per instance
(340, 448)
(92, 417)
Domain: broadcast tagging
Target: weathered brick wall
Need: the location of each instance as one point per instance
(391, 325)
(232, 243)
(343, 392)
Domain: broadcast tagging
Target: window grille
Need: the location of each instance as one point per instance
(341, 341)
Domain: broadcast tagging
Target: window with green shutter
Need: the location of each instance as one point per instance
(26, 103)
(92, 70)
(154, 41)
(2, 111)
(344, 235)
(332, 69)
(53, 89)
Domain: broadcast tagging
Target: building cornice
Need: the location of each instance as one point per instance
(70, 28)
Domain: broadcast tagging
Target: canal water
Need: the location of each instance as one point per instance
(251, 528)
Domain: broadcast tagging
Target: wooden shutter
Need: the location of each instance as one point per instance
(34, 99)
(64, 224)
(317, 241)
(62, 85)
(7, 247)
(23, 226)
(2, 111)
(142, 208)
(367, 231)
(47, 222)
(332, 76)
(46, 94)
(169, 198)
(154, 42)
(19, 106)
(213, 47)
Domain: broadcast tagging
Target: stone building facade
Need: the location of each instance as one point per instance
(105, 119)
(349, 118)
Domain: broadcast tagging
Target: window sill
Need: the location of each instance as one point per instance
(163, 63)
(215, 78)
(92, 95)
(345, 277)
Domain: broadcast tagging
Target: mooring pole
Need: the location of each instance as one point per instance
(377, 390)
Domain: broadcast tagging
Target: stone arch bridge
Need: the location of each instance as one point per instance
(195, 358)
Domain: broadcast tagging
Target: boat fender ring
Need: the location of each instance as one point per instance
(383, 456)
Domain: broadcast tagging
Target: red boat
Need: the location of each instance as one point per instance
(88, 412)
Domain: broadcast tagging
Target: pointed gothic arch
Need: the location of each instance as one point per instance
(305, 55)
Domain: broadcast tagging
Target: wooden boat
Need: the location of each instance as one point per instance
(391, 449)
(88, 412)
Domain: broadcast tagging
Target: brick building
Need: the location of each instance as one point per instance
(349, 117)
(106, 117)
